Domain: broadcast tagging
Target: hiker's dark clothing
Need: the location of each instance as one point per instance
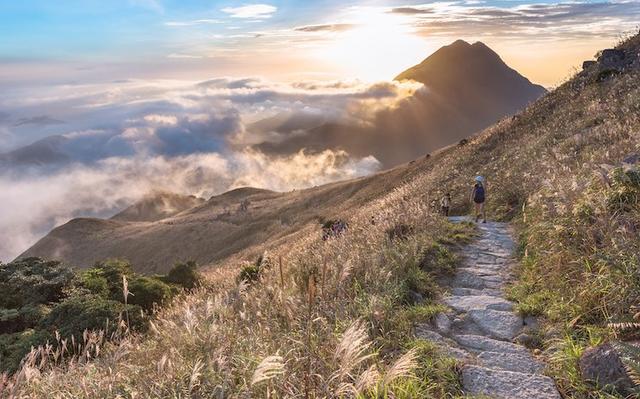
(478, 193)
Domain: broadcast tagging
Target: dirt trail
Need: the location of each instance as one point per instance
(480, 326)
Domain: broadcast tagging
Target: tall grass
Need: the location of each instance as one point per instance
(324, 319)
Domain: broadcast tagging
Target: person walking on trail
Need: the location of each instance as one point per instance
(445, 204)
(478, 196)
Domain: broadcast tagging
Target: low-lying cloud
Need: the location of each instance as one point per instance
(122, 140)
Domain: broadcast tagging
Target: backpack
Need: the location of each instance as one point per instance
(478, 195)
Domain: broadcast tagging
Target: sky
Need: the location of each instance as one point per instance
(176, 95)
(69, 40)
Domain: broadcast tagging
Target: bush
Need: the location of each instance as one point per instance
(32, 281)
(94, 281)
(14, 320)
(185, 275)
(249, 273)
(78, 313)
(147, 291)
(14, 347)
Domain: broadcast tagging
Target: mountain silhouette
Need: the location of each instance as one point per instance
(474, 73)
(467, 87)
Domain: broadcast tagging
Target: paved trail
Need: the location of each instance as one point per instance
(481, 325)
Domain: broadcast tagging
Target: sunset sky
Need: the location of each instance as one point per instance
(43, 41)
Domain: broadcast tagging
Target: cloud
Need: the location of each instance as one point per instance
(42, 120)
(193, 22)
(252, 11)
(325, 28)
(125, 139)
(30, 207)
(563, 20)
(411, 10)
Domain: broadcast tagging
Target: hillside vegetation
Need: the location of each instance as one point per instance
(333, 318)
(47, 303)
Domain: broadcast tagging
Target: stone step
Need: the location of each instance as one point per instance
(497, 324)
(510, 362)
(482, 270)
(446, 345)
(472, 291)
(466, 279)
(469, 302)
(501, 384)
(480, 343)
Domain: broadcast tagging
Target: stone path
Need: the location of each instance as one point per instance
(480, 328)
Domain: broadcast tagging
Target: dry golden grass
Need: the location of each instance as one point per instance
(326, 319)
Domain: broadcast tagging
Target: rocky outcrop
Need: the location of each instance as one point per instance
(602, 366)
(481, 325)
(611, 62)
(612, 58)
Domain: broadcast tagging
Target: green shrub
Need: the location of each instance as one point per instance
(94, 281)
(112, 270)
(33, 281)
(147, 291)
(78, 313)
(249, 273)
(185, 275)
(14, 320)
(14, 347)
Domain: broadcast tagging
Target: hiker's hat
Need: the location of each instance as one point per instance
(479, 179)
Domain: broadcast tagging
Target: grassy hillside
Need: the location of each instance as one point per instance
(153, 238)
(335, 316)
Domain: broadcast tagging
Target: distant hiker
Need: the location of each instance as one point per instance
(478, 196)
(333, 228)
(445, 204)
(373, 220)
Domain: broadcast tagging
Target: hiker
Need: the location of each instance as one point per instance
(445, 204)
(478, 197)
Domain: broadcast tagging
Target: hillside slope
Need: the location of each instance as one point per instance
(153, 239)
(556, 171)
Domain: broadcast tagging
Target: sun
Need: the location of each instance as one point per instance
(378, 46)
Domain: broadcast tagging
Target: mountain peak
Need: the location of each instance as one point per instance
(472, 69)
(459, 43)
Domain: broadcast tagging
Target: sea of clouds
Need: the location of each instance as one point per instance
(90, 150)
